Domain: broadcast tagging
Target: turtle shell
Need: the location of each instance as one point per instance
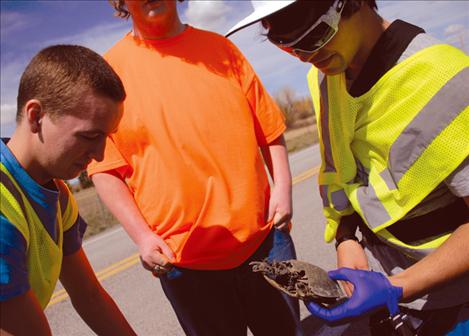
(301, 280)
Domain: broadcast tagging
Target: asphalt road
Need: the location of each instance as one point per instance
(139, 295)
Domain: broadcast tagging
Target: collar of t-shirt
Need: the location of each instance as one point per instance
(43, 200)
(384, 55)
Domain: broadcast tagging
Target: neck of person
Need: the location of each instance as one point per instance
(371, 26)
(159, 31)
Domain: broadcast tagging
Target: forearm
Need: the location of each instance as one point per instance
(22, 315)
(448, 262)
(275, 157)
(280, 203)
(101, 313)
(117, 197)
(90, 299)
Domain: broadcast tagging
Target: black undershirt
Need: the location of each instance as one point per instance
(384, 55)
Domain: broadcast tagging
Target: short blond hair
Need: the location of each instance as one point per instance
(59, 74)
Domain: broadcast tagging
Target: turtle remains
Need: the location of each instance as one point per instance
(301, 280)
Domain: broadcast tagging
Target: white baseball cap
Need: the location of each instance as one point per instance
(261, 10)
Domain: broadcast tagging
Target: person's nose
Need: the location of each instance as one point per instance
(97, 152)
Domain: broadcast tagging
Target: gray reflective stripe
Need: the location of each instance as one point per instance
(326, 137)
(420, 42)
(374, 212)
(458, 180)
(386, 176)
(6, 181)
(340, 200)
(439, 112)
(323, 190)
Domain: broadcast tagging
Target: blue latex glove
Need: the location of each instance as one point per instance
(372, 290)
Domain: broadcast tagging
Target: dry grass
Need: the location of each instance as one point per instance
(302, 137)
(94, 212)
(99, 218)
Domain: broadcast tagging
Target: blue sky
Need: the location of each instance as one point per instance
(28, 26)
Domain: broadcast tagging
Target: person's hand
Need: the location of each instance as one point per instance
(280, 207)
(155, 255)
(372, 290)
(350, 254)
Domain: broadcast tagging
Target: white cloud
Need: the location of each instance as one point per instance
(98, 38)
(458, 35)
(454, 29)
(433, 16)
(12, 22)
(8, 115)
(208, 14)
(10, 78)
(8, 112)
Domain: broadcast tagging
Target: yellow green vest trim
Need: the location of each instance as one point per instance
(44, 256)
(402, 138)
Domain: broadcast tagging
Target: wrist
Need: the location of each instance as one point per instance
(283, 183)
(399, 281)
(142, 236)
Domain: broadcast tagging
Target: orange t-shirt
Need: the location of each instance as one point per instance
(194, 118)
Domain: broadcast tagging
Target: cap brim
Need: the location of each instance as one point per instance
(258, 15)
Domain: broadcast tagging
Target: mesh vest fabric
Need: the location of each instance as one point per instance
(44, 255)
(385, 151)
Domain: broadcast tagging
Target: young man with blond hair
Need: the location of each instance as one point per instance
(69, 101)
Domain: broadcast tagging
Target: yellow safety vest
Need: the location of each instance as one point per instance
(404, 136)
(44, 255)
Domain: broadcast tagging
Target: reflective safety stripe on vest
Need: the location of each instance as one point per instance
(385, 151)
(44, 255)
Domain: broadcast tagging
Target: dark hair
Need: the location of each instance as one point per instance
(121, 8)
(58, 75)
(353, 6)
(287, 19)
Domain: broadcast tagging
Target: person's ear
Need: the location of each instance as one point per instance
(34, 114)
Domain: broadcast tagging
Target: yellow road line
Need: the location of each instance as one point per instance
(101, 275)
(305, 175)
(123, 264)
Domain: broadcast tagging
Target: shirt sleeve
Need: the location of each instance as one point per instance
(13, 266)
(458, 181)
(73, 237)
(269, 121)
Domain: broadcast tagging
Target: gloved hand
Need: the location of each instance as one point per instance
(372, 290)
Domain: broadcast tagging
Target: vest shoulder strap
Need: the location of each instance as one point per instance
(68, 205)
(13, 205)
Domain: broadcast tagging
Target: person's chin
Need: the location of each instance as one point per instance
(331, 71)
(74, 172)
